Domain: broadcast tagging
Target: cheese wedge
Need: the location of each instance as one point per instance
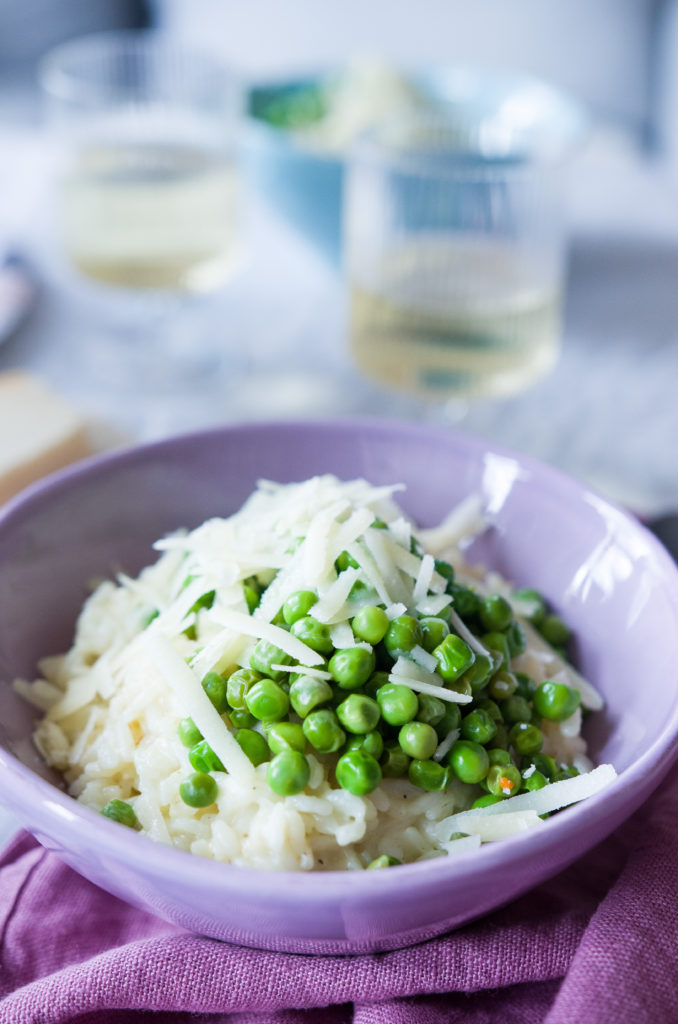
(39, 432)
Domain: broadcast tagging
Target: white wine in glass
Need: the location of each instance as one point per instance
(147, 194)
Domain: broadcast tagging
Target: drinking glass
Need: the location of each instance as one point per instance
(147, 195)
(454, 248)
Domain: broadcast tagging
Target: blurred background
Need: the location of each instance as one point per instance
(279, 335)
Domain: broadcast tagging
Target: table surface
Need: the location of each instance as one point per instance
(607, 414)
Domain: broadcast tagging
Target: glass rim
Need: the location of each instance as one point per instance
(59, 82)
(463, 157)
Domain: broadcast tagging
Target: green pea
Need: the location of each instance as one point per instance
(371, 742)
(241, 719)
(375, 682)
(431, 709)
(428, 774)
(498, 644)
(285, 736)
(543, 763)
(252, 596)
(444, 569)
(370, 624)
(479, 673)
(198, 790)
(566, 772)
(288, 773)
(357, 772)
(418, 740)
(404, 633)
(385, 861)
(503, 780)
(496, 613)
(556, 701)
(122, 812)
(394, 761)
(454, 657)
(517, 642)
(460, 686)
(359, 590)
(267, 701)
(253, 745)
(298, 605)
(465, 601)
(205, 601)
(499, 756)
(323, 731)
(526, 739)
(493, 709)
(351, 667)
(554, 631)
(215, 687)
(486, 800)
(314, 634)
(203, 758)
(358, 714)
(534, 781)
(308, 692)
(525, 685)
(265, 655)
(188, 732)
(238, 684)
(479, 726)
(516, 709)
(435, 630)
(468, 761)
(501, 737)
(502, 685)
(345, 561)
(398, 704)
(531, 605)
(148, 619)
(450, 720)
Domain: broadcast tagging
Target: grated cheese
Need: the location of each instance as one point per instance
(424, 578)
(195, 703)
(465, 519)
(451, 696)
(552, 797)
(394, 610)
(331, 606)
(424, 659)
(251, 626)
(446, 745)
(434, 604)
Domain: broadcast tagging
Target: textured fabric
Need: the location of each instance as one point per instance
(598, 943)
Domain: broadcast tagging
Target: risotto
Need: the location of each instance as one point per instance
(313, 683)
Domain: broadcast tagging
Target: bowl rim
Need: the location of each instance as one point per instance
(315, 887)
(566, 106)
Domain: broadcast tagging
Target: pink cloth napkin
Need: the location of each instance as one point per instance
(598, 944)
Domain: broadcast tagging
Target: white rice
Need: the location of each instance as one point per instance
(113, 702)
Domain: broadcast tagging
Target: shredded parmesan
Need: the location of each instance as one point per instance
(552, 797)
(250, 626)
(195, 702)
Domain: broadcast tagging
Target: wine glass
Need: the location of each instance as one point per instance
(147, 205)
(454, 245)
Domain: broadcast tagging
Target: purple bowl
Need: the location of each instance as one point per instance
(604, 572)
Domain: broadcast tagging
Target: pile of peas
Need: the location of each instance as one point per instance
(376, 728)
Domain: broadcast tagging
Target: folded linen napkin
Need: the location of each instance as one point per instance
(598, 944)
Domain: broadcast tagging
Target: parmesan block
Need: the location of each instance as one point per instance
(39, 433)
